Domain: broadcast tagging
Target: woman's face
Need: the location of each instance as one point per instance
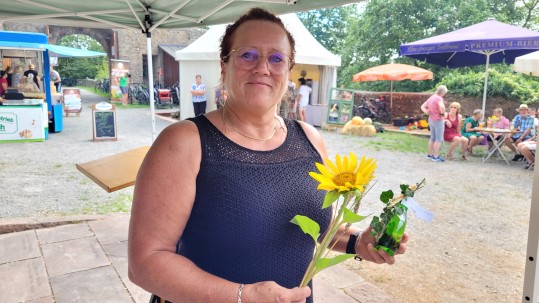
(453, 109)
(258, 86)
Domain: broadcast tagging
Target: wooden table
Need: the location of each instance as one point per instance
(497, 144)
(117, 171)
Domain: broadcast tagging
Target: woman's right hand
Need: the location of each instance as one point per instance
(271, 292)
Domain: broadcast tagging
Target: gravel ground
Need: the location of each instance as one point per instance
(473, 251)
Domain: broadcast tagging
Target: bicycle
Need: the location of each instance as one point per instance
(102, 85)
(175, 93)
(376, 109)
(139, 92)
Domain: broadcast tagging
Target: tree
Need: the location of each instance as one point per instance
(530, 11)
(329, 25)
(375, 36)
(82, 68)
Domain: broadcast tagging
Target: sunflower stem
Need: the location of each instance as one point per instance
(322, 249)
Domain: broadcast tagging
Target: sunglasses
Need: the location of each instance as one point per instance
(247, 58)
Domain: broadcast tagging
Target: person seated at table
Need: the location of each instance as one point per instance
(533, 114)
(451, 131)
(498, 122)
(527, 149)
(3, 83)
(523, 123)
(471, 129)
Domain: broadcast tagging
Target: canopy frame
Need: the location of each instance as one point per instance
(156, 14)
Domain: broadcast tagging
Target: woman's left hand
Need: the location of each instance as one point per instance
(365, 248)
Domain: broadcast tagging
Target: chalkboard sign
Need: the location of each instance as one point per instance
(104, 122)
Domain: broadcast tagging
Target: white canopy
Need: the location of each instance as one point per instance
(308, 49)
(527, 64)
(202, 58)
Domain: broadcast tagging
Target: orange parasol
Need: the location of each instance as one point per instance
(393, 72)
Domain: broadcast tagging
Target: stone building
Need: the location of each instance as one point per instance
(130, 45)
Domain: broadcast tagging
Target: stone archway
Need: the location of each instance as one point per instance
(105, 37)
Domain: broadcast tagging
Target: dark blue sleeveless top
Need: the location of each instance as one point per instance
(239, 228)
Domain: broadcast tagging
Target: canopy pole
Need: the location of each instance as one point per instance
(531, 273)
(150, 80)
(486, 83)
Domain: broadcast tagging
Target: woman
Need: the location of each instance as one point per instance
(471, 130)
(9, 72)
(452, 133)
(435, 108)
(215, 194)
(499, 122)
(303, 98)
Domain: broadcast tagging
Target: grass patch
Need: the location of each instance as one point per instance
(107, 96)
(97, 92)
(117, 204)
(398, 142)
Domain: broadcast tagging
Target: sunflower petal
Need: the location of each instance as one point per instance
(331, 166)
(324, 171)
(353, 162)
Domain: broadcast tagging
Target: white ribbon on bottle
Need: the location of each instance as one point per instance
(420, 212)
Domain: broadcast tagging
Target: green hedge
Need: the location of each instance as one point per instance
(501, 82)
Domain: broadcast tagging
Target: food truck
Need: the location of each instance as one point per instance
(28, 110)
(31, 112)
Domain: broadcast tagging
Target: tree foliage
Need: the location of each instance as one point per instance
(82, 68)
(375, 30)
(329, 26)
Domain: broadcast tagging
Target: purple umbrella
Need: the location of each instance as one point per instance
(487, 42)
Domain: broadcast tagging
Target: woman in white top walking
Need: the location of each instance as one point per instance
(303, 98)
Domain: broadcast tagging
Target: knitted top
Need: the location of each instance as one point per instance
(239, 228)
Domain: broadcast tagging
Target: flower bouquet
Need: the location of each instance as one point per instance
(347, 181)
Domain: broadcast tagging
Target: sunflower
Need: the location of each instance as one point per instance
(345, 174)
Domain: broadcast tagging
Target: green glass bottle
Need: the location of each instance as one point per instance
(393, 231)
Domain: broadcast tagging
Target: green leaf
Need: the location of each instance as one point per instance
(386, 196)
(351, 217)
(307, 225)
(324, 263)
(404, 187)
(331, 196)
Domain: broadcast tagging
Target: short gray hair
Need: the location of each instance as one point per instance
(477, 111)
(441, 90)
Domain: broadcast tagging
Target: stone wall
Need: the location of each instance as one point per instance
(133, 47)
(131, 43)
(409, 104)
(23, 27)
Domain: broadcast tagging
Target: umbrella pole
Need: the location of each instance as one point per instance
(486, 83)
(391, 96)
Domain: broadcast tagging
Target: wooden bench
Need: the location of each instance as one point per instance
(67, 92)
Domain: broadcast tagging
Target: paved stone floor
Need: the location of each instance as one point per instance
(87, 262)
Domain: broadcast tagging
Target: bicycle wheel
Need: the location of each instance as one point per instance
(363, 112)
(385, 116)
(141, 97)
(130, 94)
